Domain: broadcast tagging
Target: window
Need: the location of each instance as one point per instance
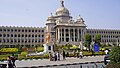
(19, 30)
(42, 35)
(35, 35)
(0, 29)
(15, 40)
(11, 30)
(22, 35)
(18, 40)
(36, 40)
(0, 35)
(11, 35)
(42, 40)
(15, 35)
(29, 35)
(32, 40)
(35, 30)
(15, 30)
(52, 33)
(26, 40)
(38, 35)
(39, 40)
(32, 35)
(25, 35)
(4, 35)
(22, 30)
(4, 29)
(29, 41)
(18, 35)
(7, 35)
(42, 30)
(8, 30)
(32, 30)
(11, 40)
(39, 30)
(22, 40)
(25, 30)
(29, 30)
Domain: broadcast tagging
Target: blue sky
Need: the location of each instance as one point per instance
(101, 14)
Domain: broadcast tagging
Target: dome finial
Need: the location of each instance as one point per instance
(51, 14)
(62, 3)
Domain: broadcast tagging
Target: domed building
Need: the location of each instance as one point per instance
(61, 28)
(64, 29)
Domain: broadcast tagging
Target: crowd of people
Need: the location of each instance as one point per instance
(11, 61)
(56, 56)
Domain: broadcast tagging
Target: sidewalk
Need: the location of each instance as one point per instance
(46, 62)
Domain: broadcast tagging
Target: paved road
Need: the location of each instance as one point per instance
(45, 62)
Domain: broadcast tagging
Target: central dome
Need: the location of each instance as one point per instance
(62, 10)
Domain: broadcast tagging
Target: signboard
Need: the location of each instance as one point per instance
(96, 48)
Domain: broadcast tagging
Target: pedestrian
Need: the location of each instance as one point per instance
(50, 56)
(55, 56)
(63, 55)
(58, 56)
(81, 54)
(13, 60)
(9, 61)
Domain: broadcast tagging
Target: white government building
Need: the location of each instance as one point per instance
(62, 28)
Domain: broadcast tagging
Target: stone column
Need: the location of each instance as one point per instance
(61, 34)
(69, 35)
(64, 36)
(74, 34)
(78, 34)
(58, 34)
(81, 34)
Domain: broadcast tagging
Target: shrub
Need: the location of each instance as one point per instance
(23, 53)
(99, 53)
(9, 50)
(46, 55)
(113, 66)
(40, 49)
(115, 55)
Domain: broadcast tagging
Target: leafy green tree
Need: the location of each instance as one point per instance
(97, 39)
(88, 40)
(115, 55)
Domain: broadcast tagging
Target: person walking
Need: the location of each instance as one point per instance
(63, 55)
(55, 57)
(13, 60)
(9, 61)
(58, 56)
(81, 54)
(50, 56)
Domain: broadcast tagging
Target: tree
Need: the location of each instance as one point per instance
(88, 40)
(115, 55)
(97, 39)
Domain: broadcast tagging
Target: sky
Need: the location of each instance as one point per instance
(98, 14)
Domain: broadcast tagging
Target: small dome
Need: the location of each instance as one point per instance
(79, 17)
(62, 10)
(50, 17)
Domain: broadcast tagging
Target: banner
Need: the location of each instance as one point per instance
(96, 48)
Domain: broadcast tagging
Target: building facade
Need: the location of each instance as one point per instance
(62, 28)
